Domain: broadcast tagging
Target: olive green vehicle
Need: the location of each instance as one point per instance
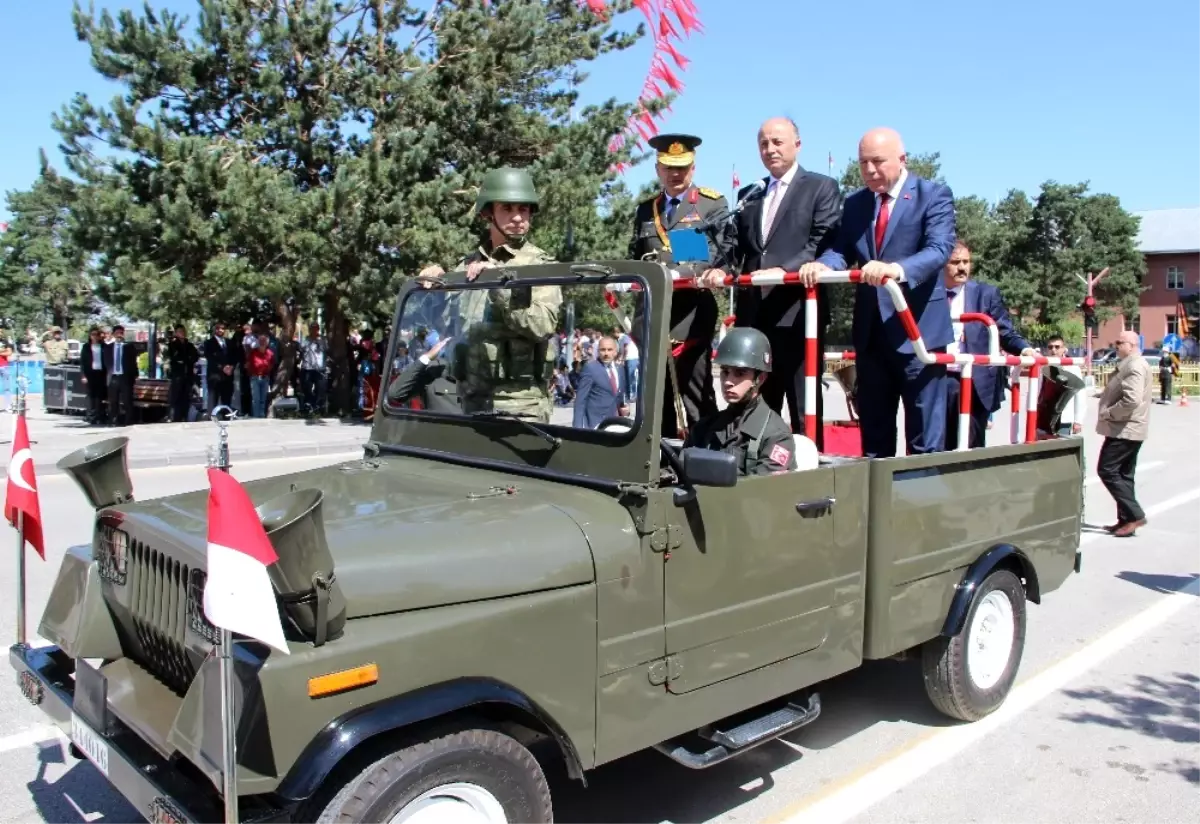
(493, 592)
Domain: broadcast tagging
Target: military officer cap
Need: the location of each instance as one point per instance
(675, 149)
(745, 348)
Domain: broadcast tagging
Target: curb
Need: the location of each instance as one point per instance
(200, 458)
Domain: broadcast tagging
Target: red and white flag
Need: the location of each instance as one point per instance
(238, 595)
(22, 493)
(737, 181)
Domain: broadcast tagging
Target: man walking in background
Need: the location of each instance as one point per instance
(1123, 419)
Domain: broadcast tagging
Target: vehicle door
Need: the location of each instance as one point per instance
(751, 579)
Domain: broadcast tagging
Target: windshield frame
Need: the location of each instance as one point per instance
(621, 456)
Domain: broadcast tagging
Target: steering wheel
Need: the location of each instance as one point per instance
(616, 420)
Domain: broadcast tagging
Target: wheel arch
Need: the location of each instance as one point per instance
(1001, 556)
(342, 738)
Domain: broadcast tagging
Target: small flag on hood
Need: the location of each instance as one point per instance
(238, 595)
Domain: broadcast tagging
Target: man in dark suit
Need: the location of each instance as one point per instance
(221, 356)
(987, 383)
(899, 226)
(120, 363)
(681, 205)
(792, 223)
(601, 392)
(427, 383)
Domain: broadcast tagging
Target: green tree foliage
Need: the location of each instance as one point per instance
(43, 274)
(314, 153)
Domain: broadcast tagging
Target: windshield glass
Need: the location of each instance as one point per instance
(554, 354)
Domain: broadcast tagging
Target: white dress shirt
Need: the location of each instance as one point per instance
(958, 302)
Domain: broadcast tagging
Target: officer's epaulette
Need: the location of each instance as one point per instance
(712, 194)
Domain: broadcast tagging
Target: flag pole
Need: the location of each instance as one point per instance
(19, 409)
(220, 460)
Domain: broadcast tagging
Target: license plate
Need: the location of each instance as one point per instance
(90, 742)
(163, 811)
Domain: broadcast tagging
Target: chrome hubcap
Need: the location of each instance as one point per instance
(458, 803)
(990, 640)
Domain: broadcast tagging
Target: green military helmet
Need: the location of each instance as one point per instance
(507, 185)
(745, 348)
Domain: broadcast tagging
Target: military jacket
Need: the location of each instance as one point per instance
(693, 312)
(752, 432)
(503, 353)
(56, 351)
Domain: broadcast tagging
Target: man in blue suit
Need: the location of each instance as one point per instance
(601, 391)
(987, 382)
(898, 226)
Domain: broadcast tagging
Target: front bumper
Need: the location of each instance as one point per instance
(72, 692)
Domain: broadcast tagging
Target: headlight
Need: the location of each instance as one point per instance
(112, 554)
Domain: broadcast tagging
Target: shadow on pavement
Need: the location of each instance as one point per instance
(649, 787)
(1166, 708)
(69, 798)
(1158, 583)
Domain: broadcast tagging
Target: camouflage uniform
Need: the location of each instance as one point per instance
(504, 353)
(56, 349)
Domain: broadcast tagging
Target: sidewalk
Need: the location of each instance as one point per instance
(181, 444)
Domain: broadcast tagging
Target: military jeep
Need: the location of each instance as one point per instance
(506, 583)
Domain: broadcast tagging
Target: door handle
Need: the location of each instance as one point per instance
(816, 507)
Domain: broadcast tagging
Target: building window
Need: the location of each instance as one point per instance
(1174, 277)
(1134, 324)
(1172, 324)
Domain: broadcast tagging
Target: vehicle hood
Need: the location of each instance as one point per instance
(407, 533)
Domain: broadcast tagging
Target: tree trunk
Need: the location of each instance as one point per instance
(341, 372)
(287, 348)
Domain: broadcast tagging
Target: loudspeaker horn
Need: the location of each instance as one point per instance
(1059, 388)
(101, 471)
(304, 575)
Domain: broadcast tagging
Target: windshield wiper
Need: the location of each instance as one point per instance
(520, 417)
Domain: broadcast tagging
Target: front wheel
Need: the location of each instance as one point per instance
(968, 676)
(468, 777)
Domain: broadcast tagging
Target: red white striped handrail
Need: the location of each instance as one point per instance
(904, 313)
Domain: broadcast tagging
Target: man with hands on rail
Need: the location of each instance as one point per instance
(898, 226)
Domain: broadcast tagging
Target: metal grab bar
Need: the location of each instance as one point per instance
(912, 330)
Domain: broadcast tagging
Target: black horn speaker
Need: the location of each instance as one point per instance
(101, 471)
(304, 575)
(1059, 388)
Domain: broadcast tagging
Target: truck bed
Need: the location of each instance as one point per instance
(932, 516)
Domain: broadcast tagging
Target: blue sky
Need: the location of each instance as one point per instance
(1011, 93)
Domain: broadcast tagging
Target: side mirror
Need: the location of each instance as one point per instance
(708, 467)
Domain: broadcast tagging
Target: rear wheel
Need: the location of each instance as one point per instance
(468, 777)
(968, 676)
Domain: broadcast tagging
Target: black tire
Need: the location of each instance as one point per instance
(944, 663)
(487, 759)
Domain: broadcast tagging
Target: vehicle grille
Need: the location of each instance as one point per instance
(158, 601)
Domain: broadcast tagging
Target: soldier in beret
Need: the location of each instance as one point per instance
(681, 204)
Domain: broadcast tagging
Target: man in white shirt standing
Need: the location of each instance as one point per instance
(1071, 422)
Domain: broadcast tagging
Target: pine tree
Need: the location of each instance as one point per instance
(314, 153)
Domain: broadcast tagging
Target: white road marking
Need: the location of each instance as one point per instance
(918, 758)
(1095, 479)
(29, 737)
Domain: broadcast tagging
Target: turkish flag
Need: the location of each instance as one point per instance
(238, 595)
(22, 494)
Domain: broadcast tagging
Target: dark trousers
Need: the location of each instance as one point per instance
(1115, 466)
(1164, 379)
(787, 380)
(312, 389)
(220, 392)
(979, 415)
(120, 398)
(97, 390)
(180, 397)
(885, 379)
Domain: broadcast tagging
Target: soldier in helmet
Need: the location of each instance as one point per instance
(501, 357)
(747, 427)
(680, 204)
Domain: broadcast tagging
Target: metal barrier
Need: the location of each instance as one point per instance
(904, 313)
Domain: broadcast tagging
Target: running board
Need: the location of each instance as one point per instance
(743, 737)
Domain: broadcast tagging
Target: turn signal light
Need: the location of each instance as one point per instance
(341, 681)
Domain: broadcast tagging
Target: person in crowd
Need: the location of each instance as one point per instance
(220, 358)
(260, 365)
(314, 354)
(602, 388)
(1071, 420)
(120, 361)
(182, 356)
(1123, 420)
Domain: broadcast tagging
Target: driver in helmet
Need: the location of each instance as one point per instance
(747, 428)
(502, 354)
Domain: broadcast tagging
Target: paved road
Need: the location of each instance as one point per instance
(1104, 724)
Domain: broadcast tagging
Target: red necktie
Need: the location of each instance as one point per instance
(881, 223)
(612, 378)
